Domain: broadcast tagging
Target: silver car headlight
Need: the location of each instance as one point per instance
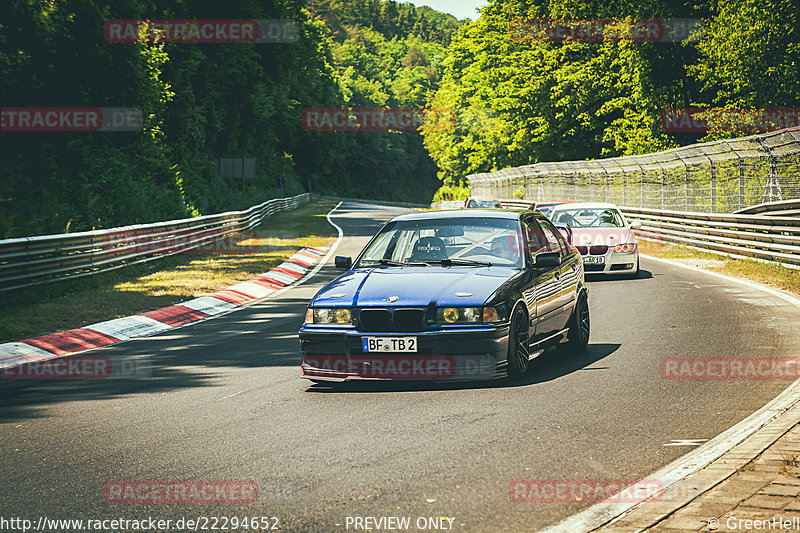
(626, 248)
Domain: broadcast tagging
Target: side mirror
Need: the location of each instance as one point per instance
(565, 230)
(548, 259)
(636, 224)
(343, 262)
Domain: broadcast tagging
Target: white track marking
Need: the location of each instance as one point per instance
(129, 327)
(694, 461)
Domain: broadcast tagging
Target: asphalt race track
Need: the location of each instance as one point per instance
(225, 402)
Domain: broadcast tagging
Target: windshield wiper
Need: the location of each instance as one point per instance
(458, 261)
(389, 262)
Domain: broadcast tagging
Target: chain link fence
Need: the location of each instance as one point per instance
(718, 177)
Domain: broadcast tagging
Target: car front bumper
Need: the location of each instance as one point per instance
(613, 263)
(468, 353)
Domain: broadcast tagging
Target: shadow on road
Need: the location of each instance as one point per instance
(199, 355)
(643, 274)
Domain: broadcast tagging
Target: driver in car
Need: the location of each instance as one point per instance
(501, 248)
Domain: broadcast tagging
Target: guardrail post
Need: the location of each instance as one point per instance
(774, 183)
(642, 184)
(575, 188)
(624, 189)
(686, 175)
(741, 183)
(713, 187)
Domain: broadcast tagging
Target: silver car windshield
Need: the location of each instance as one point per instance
(490, 204)
(598, 217)
(457, 241)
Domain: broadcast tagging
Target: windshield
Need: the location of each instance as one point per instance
(484, 204)
(461, 241)
(599, 217)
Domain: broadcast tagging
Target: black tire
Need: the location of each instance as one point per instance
(518, 350)
(579, 328)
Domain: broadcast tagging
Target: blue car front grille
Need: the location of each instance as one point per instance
(401, 320)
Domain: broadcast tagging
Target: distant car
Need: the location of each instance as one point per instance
(482, 202)
(602, 235)
(448, 295)
(545, 207)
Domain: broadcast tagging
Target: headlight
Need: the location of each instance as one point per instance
(329, 315)
(626, 248)
(459, 315)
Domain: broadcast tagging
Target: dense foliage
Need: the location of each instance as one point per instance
(508, 101)
(202, 102)
(567, 100)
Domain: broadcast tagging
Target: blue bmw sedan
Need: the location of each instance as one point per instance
(449, 295)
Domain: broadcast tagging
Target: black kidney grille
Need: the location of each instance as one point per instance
(374, 320)
(391, 320)
(583, 250)
(408, 319)
(598, 250)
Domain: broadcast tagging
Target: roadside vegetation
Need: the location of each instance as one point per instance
(166, 282)
(203, 102)
(507, 100)
(770, 274)
(520, 101)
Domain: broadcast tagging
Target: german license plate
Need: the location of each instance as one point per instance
(389, 344)
(594, 260)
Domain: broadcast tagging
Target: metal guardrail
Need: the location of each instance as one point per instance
(717, 177)
(509, 203)
(30, 261)
(785, 208)
(389, 203)
(758, 236)
(671, 192)
(456, 204)
(447, 204)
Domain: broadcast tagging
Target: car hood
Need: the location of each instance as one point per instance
(607, 236)
(415, 286)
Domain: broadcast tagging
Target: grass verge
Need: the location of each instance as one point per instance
(165, 282)
(770, 274)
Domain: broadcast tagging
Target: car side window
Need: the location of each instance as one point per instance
(537, 239)
(553, 234)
